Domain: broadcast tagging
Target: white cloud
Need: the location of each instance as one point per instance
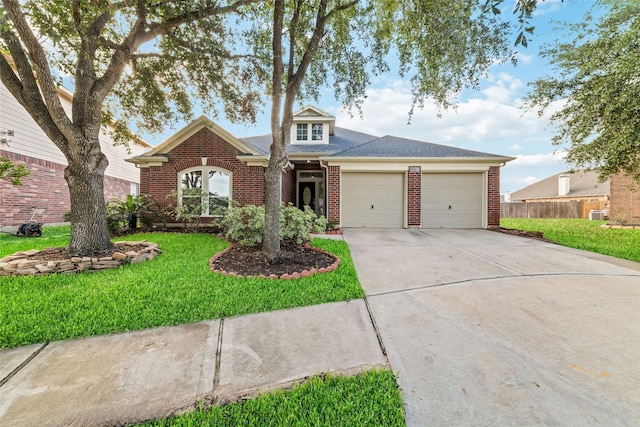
(537, 159)
(515, 147)
(488, 120)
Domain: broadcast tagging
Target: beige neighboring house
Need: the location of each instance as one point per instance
(580, 187)
(22, 141)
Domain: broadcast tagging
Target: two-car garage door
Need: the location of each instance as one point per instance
(377, 200)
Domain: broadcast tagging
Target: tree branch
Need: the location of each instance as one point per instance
(38, 59)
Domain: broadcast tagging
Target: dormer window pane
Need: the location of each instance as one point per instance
(302, 132)
(316, 132)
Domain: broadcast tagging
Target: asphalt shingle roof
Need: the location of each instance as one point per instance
(342, 139)
(349, 143)
(393, 146)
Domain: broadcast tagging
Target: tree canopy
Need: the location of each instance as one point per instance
(595, 77)
(142, 60)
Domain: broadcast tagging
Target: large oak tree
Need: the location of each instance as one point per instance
(595, 78)
(129, 59)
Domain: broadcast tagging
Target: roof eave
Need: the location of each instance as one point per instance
(377, 159)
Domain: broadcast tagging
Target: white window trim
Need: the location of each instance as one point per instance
(309, 126)
(205, 183)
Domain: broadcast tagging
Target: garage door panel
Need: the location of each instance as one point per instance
(452, 200)
(372, 200)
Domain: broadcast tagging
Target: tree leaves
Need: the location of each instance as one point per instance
(597, 79)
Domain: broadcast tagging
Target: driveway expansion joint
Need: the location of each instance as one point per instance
(377, 331)
(23, 364)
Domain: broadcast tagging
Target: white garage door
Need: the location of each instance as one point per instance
(372, 200)
(452, 200)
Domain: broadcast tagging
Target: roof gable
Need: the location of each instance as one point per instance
(191, 129)
(311, 111)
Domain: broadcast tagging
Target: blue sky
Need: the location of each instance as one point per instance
(490, 119)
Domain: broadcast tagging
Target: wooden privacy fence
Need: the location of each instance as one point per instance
(571, 209)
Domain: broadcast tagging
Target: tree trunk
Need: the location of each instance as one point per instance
(273, 196)
(85, 178)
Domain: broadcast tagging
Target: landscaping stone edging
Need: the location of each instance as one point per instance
(20, 263)
(295, 275)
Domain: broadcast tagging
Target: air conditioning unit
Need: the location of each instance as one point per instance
(596, 215)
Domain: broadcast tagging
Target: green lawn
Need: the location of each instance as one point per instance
(369, 399)
(583, 234)
(176, 287)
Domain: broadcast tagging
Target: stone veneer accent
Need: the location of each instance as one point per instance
(23, 263)
(296, 275)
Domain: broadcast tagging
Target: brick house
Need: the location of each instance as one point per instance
(354, 179)
(625, 200)
(24, 143)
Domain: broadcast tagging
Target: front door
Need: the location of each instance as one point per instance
(311, 191)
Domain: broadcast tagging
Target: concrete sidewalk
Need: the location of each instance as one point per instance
(149, 374)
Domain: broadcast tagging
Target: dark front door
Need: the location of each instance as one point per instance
(307, 195)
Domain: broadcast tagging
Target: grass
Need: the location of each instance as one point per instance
(583, 234)
(174, 288)
(369, 399)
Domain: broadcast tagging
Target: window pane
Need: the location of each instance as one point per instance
(316, 132)
(191, 179)
(218, 184)
(301, 132)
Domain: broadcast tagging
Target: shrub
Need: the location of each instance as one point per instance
(191, 209)
(245, 225)
(124, 214)
(296, 225)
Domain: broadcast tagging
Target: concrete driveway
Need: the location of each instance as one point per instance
(484, 328)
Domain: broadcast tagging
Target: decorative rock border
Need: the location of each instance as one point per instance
(24, 263)
(295, 275)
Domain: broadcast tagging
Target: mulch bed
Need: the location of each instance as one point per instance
(530, 234)
(252, 262)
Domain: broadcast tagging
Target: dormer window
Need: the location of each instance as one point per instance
(312, 126)
(302, 133)
(316, 131)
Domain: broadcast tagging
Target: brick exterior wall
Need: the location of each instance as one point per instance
(288, 186)
(248, 181)
(414, 196)
(44, 188)
(625, 200)
(333, 194)
(493, 197)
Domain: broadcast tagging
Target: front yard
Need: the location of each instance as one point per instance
(176, 287)
(583, 234)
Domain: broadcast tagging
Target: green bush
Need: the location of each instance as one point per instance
(296, 225)
(124, 214)
(245, 225)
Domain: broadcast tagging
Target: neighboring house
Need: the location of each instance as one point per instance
(581, 188)
(22, 141)
(625, 200)
(354, 179)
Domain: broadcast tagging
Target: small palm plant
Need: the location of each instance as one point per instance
(130, 209)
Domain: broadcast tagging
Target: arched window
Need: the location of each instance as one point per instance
(207, 186)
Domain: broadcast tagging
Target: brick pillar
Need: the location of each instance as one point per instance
(493, 197)
(414, 196)
(333, 194)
